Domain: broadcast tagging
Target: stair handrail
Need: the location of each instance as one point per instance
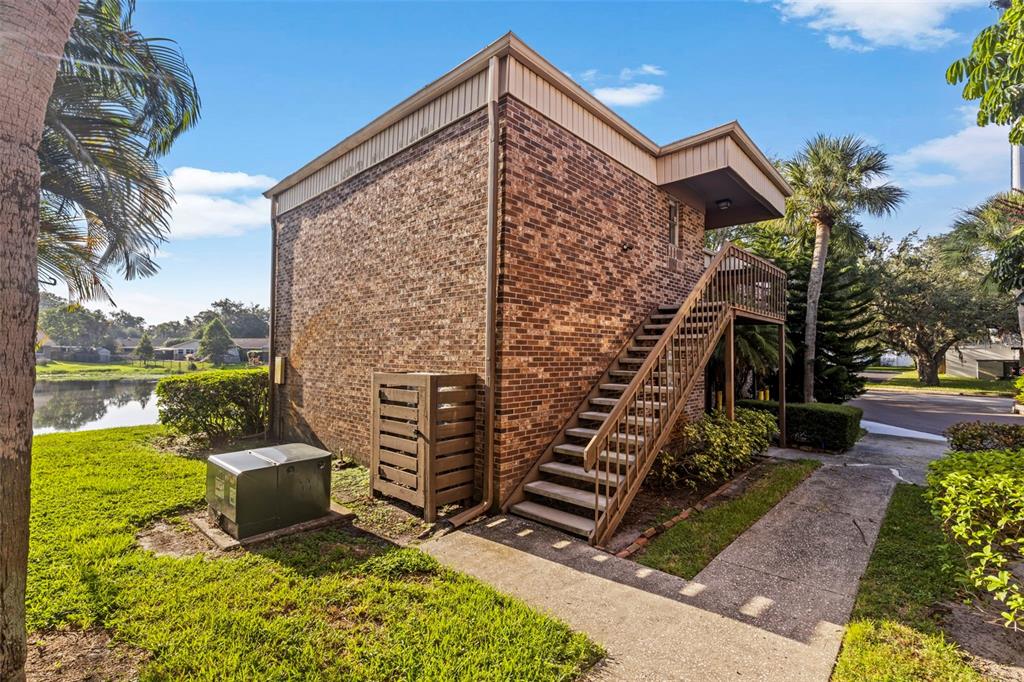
(591, 451)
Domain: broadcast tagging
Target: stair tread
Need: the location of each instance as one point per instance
(623, 387)
(574, 471)
(583, 432)
(572, 523)
(571, 450)
(567, 494)
(601, 416)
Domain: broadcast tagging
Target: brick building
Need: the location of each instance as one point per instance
(503, 222)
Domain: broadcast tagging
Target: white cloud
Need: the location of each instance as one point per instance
(643, 70)
(972, 154)
(202, 181)
(846, 43)
(915, 24)
(218, 204)
(630, 95)
(589, 76)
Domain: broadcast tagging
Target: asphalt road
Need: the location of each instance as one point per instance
(933, 412)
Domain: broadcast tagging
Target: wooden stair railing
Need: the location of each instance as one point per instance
(622, 451)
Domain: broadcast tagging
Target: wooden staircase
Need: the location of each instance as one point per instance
(586, 479)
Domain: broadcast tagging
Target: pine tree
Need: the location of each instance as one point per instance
(144, 351)
(215, 342)
(847, 337)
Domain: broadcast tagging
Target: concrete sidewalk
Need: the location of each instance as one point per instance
(771, 606)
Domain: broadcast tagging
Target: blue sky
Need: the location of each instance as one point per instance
(283, 81)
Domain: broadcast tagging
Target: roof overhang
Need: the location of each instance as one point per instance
(719, 163)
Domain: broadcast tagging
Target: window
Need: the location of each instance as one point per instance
(673, 223)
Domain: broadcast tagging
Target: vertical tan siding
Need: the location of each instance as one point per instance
(458, 102)
(537, 92)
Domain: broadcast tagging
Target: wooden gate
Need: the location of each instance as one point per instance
(423, 438)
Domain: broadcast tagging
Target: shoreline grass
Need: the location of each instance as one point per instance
(687, 547)
(96, 371)
(893, 633)
(908, 382)
(325, 605)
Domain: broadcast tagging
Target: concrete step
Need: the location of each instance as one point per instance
(567, 494)
(581, 432)
(575, 472)
(571, 523)
(570, 450)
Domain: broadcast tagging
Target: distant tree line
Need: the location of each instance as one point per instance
(72, 324)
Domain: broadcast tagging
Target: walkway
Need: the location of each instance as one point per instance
(771, 606)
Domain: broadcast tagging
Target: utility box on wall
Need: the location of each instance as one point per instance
(423, 445)
(255, 491)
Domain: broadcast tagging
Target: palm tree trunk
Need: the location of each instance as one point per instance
(34, 34)
(822, 232)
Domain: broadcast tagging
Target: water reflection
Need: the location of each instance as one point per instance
(83, 405)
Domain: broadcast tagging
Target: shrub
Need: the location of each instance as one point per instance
(979, 498)
(974, 436)
(218, 404)
(1020, 388)
(818, 425)
(713, 448)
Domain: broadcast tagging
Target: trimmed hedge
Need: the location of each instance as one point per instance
(979, 498)
(973, 436)
(823, 426)
(713, 448)
(219, 404)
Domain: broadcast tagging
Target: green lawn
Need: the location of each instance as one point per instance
(892, 633)
(87, 371)
(687, 547)
(947, 384)
(325, 605)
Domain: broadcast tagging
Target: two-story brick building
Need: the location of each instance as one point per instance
(505, 223)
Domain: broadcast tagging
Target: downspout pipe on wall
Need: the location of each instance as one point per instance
(491, 294)
(271, 429)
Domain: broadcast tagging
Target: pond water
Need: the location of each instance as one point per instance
(84, 405)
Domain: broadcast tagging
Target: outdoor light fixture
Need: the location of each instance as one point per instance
(626, 246)
(724, 204)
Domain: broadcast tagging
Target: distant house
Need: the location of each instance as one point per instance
(983, 361)
(127, 345)
(247, 345)
(238, 353)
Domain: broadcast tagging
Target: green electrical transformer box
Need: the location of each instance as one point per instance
(255, 491)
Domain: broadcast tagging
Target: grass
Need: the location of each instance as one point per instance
(324, 605)
(689, 546)
(947, 384)
(893, 634)
(89, 371)
(884, 368)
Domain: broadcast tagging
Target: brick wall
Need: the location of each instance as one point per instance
(569, 295)
(385, 272)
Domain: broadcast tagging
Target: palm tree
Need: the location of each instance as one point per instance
(980, 233)
(34, 34)
(119, 102)
(833, 180)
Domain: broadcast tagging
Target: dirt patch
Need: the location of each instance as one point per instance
(384, 517)
(199, 447)
(654, 505)
(997, 651)
(80, 656)
(176, 537)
